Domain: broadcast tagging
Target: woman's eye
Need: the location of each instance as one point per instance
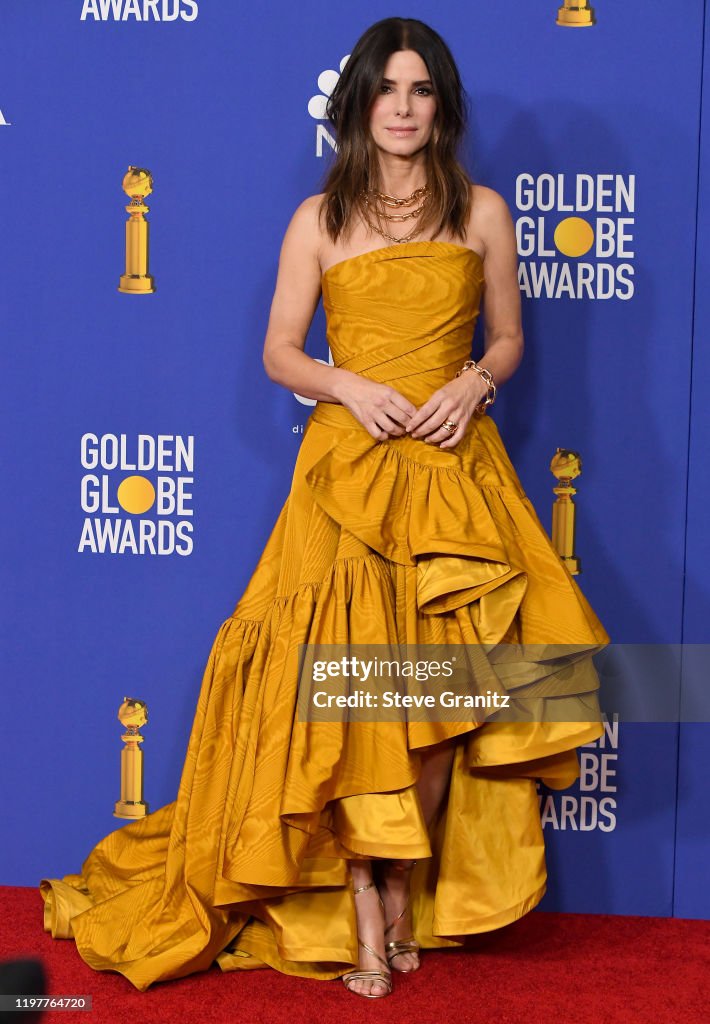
(421, 90)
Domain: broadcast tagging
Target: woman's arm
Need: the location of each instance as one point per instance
(503, 335)
(298, 287)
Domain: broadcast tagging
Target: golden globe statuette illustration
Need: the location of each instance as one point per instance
(576, 14)
(565, 465)
(132, 714)
(137, 184)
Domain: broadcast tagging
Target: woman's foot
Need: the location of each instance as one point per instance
(401, 947)
(372, 978)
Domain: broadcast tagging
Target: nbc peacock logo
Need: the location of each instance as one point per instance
(327, 80)
(575, 235)
(136, 494)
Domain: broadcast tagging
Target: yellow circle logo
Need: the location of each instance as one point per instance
(574, 236)
(135, 494)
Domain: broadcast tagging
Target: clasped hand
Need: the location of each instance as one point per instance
(384, 412)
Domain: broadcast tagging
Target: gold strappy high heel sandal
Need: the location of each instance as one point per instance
(385, 977)
(396, 947)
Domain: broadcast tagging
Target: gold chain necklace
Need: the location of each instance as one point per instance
(395, 216)
(388, 200)
(368, 195)
(392, 238)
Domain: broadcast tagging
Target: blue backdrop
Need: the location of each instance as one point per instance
(593, 133)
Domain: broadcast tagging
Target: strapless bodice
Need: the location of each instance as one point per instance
(404, 314)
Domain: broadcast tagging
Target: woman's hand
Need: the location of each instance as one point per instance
(382, 410)
(455, 401)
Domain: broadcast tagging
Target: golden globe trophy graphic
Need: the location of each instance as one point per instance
(565, 465)
(137, 184)
(132, 714)
(576, 14)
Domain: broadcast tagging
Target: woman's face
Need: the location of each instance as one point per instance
(402, 116)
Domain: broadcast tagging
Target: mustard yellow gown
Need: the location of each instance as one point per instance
(378, 541)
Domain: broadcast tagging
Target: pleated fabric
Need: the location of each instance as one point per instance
(377, 542)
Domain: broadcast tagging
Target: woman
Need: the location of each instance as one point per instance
(294, 842)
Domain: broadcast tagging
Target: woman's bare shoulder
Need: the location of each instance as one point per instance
(307, 216)
(489, 216)
(305, 229)
(487, 204)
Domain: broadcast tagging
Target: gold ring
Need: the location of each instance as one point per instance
(450, 426)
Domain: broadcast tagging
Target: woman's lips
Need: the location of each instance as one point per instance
(402, 131)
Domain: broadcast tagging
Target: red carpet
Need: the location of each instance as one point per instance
(544, 969)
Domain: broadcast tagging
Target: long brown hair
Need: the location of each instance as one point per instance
(356, 166)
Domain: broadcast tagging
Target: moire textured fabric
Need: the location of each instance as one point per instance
(378, 541)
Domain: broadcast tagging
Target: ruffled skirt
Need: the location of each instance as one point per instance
(377, 542)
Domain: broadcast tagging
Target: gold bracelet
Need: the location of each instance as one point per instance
(471, 364)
